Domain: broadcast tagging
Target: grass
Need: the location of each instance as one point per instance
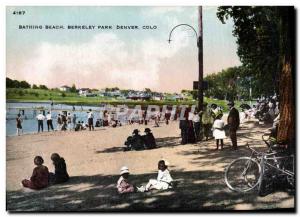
(38, 95)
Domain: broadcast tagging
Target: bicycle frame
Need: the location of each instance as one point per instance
(264, 160)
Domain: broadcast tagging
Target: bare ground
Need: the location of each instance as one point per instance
(94, 159)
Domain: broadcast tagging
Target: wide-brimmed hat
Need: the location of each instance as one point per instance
(147, 130)
(124, 170)
(135, 131)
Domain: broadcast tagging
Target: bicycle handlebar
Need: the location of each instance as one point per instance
(266, 140)
(260, 153)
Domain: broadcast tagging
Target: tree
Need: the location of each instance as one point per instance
(286, 128)
(16, 84)
(256, 29)
(34, 86)
(24, 84)
(9, 83)
(73, 89)
(125, 92)
(226, 84)
(148, 90)
(43, 87)
(21, 93)
(265, 47)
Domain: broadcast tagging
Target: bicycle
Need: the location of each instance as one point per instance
(261, 169)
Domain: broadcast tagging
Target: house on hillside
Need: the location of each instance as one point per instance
(115, 93)
(177, 97)
(65, 88)
(84, 91)
(101, 93)
(158, 96)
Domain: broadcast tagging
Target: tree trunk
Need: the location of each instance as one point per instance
(286, 128)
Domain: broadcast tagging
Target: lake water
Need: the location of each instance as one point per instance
(30, 110)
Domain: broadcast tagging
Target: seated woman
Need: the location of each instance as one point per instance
(40, 175)
(164, 179)
(60, 175)
(149, 139)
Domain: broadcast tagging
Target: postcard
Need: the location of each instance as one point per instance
(150, 108)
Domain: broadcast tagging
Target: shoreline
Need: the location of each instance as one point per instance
(130, 104)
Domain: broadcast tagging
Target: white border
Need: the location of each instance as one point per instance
(5, 3)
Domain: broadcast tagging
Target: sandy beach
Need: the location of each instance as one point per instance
(94, 158)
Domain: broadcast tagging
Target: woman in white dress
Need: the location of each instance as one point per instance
(218, 131)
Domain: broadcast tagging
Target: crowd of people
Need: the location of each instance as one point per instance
(212, 125)
(266, 110)
(195, 126)
(65, 121)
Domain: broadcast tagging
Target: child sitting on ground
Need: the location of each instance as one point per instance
(123, 185)
(84, 126)
(40, 175)
(78, 126)
(164, 179)
(60, 175)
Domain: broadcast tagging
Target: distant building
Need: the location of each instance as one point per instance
(65, 88)
(138, 95)
(84, 91)
(90, 94)
(177, 97)
(101, 93)
(158, 96)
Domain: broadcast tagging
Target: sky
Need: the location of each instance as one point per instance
(128, 59)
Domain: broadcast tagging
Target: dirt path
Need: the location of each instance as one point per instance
(94, 160)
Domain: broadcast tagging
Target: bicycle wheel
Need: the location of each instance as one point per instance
(242, 174)
(289, 167)
(267, 181)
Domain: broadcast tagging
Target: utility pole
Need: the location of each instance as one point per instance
(200, 60)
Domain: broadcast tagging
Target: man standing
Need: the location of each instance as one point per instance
(40, 119)
(49, 121)
(196, 123)
(69, 121)
(64, 121)
(207, 120)
(59, 122)
(19, 124)
(90, 120)
(233, 121)
(74, 121)
(183, 126)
